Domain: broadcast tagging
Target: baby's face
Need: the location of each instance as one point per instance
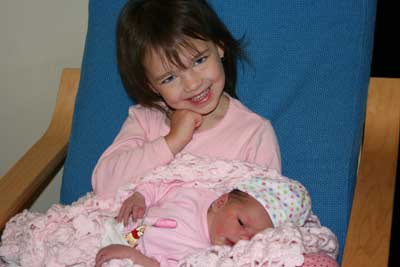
(230, 221)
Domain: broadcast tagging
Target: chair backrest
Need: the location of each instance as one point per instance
(309, 76)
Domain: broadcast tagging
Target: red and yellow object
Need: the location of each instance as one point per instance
(133, 236)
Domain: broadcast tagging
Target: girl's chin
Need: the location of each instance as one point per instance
(207, 108)
(205, 111)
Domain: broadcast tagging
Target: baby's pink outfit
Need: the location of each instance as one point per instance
(140, 145)
(188, 207)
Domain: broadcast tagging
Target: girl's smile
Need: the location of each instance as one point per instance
(201, 98)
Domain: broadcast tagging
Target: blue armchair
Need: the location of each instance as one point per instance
(309, 74)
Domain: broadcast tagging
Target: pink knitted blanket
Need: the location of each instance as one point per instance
(71, 235)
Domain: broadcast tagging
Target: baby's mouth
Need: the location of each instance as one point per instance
(229, 242)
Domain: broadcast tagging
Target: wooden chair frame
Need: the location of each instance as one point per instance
(368, 237)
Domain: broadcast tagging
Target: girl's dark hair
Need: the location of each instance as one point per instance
(165, 26)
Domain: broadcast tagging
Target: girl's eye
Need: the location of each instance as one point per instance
(168, 79)
(240, 222)
(200, 60)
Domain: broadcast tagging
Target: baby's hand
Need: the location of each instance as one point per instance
(133, 207)
(183, 124)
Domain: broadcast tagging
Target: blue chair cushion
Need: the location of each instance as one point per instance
(309, 72)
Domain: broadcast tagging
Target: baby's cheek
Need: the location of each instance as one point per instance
(219, 230)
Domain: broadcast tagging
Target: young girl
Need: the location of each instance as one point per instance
(178, 62)
(178, 221)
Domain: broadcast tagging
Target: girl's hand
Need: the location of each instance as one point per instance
(114, 252)
(134, 207)
(183, 124)
(124, 252)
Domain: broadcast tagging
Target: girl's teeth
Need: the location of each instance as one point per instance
(200, 96)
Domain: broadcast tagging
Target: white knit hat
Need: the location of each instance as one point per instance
(285, 200)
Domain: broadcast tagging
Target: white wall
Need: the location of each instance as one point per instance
(37, 40)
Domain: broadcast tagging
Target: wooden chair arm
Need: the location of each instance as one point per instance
(368, 237)
(28, 177)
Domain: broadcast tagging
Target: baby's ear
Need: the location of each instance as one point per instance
(220, 202)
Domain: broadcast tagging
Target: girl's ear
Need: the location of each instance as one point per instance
(221, 51)
(220, 202)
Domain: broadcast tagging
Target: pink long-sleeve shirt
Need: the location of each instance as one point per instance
(140, 146)
(188, 207)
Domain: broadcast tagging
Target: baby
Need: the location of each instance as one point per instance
(175, 221)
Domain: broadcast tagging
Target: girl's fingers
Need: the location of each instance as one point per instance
(99, 258)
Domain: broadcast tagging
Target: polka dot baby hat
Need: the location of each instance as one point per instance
(285, 200)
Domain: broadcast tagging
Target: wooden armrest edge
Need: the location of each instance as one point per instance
(29, 175)
(368, 236)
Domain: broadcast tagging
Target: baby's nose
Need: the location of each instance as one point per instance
(246, 234)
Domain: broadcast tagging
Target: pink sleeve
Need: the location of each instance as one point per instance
(153, 192)
(164, 262)
(130, 155)
(266, 149)
(319, 260)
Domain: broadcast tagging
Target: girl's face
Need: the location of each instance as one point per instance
(198, 86)
(230, 221)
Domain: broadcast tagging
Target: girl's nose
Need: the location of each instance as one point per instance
(191, 80)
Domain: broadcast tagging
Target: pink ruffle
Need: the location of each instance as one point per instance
(71, 235)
